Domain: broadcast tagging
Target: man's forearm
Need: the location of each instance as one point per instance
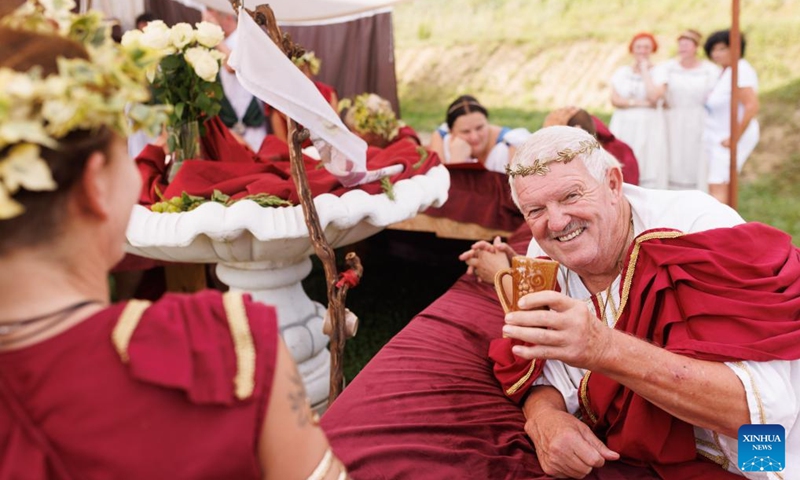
(541, 399)
(705, 394)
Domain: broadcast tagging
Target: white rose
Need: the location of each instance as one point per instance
(22, 87)
(132, 39)
(208, 34)
(181, 35)
(203, 63)
(374, 103)
(156, 35)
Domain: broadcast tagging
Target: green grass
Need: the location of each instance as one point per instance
(774, 199)
(404, 272)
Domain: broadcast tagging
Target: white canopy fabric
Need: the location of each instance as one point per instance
(287, 12)
(304, 11)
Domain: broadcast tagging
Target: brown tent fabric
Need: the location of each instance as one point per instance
(172, 12)
(357, 55)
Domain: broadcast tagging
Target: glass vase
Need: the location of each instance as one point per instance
(184, 144)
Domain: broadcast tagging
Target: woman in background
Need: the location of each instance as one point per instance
(467, 137)
(717, 136)
(686, 82)
(638, 119)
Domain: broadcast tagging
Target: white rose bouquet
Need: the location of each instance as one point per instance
(186, 77)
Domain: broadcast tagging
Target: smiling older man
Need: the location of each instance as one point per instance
(674, 323)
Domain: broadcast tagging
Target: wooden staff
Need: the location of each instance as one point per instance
(733, 183)
(264, 17)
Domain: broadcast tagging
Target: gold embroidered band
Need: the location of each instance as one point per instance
(243, 345)
(123, 330)
(540, 166)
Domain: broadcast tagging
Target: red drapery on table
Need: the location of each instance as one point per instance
(236, 171)
(481, 197)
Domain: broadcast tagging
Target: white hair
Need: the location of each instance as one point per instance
(548, 141)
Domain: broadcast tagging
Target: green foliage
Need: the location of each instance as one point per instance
(387, 187)
(186, 203)
(193, 98)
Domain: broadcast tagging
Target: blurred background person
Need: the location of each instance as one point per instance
(467, 137)
(638, 119)
(717, 135)
(143, 19)
(686, 82)
(577, 117)
(240, 110)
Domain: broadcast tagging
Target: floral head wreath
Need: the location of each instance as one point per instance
(540, 165)
(309, 59)
(107, 90)
(369, 113)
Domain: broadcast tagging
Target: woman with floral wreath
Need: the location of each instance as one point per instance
(191, 386)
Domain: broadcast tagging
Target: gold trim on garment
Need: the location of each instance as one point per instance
(243, 345)
(626, 290)
(720, 460)
(626, 284)
(127, 323)
(762, 416)
(584, 397)
(513, 388)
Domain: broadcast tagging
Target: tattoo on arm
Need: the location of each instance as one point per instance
(299, 400)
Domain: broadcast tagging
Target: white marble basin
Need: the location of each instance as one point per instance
(265, 251)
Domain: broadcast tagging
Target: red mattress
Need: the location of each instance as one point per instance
(428, 407)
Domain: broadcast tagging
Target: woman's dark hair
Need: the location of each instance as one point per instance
(463, 105)
(583, 120)
(145, 17)
(723, 36)
(21, 51)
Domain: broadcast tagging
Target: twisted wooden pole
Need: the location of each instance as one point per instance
(337, 291)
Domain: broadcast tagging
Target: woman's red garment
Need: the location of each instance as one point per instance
(620, 150)
(170, 412)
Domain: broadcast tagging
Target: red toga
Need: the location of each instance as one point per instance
(728, 294)
(169, 412)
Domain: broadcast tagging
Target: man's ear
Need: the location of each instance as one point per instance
(614, 181)
(95, 186)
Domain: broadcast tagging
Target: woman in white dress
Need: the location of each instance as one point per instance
(717, 136)
(686, 82)
(638, 119)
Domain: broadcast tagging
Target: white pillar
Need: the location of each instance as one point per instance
(299, 318)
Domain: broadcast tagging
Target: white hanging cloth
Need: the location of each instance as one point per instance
(264, 70)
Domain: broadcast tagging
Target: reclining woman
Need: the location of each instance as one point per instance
(196, 386)
(467, 137)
